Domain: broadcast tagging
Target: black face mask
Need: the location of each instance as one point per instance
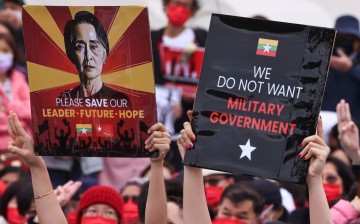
(345, 44)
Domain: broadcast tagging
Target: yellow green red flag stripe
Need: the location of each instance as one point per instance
(267, 47)
(84, 130)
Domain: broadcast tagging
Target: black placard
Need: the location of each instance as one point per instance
(259, 96)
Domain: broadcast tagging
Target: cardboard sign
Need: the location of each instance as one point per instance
(259, 96)
(181, 67)
(91, 79)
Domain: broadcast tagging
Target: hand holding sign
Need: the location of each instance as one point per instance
(186, 138)
(159, 139)
(316, 150)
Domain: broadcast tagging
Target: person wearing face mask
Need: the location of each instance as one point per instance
(17, 202)
(99, 204)
(14, 90)
(215, 183)
(195, 208)
(344, 74)
(177, 35)
(11, 13)
(338, 180)
(130, 193)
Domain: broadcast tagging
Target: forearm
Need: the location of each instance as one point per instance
(48, 208)
(195, 207)
(156, 204)
(319, 208)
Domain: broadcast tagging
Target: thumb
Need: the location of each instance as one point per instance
(320, 128)
(16, 150)
(189, 114)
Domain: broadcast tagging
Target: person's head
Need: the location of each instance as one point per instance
(9, 55)
(179, 11)
(348, 36)
(240, 202)
(174, 210)
(73, 204)
(7, 29)
(174, 194)
(130, 193)
(273, 209)
(168, 171)
(17, 202)
(10, 174)
(86, 45)
(215, 182)
(13, 4)
(102, 204)
(11, 13)
(341, 155)
(338, 179)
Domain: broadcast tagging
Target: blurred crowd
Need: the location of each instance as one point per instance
(117, 190)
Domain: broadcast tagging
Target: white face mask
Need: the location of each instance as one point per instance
(6, 61)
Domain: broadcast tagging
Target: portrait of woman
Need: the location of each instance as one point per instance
(87, 47)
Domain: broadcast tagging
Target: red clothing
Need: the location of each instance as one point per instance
(20, 104)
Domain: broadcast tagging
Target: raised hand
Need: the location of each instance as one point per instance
(317, 151)
(22, 145)
(186, 139)
(348, 132)
(159, 139)
(342, 62)
(65, 192)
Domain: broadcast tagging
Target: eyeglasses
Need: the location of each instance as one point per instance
(107, 213)
(133, 198)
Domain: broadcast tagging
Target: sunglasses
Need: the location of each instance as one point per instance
(133, 198)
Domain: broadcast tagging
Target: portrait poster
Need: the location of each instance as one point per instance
(181, 67)
(91, 79)
(259, 95)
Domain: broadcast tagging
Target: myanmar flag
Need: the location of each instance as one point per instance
(104, 130)
(83, 130)
(267, 47)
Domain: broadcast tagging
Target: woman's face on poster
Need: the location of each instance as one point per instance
(89, 53)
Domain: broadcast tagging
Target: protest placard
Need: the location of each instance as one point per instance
(259, 96)
(91, 79)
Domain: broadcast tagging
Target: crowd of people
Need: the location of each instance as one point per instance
(90, 190)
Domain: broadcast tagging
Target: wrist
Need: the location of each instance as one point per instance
(355, 158)
(313, 180)
(156, 164)
(39, 165)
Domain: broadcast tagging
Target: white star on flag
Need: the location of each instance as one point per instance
(99, 128)
(267, 48)
(246, 150)
(83, 131)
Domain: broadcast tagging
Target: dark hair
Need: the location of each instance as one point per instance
(174, 193)
(240, 192)
(23, 192)
(69, 32)
(195, 5)
(345, 173)
(11, 42)
(12, 169)
(11, 29)
(166, 164)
